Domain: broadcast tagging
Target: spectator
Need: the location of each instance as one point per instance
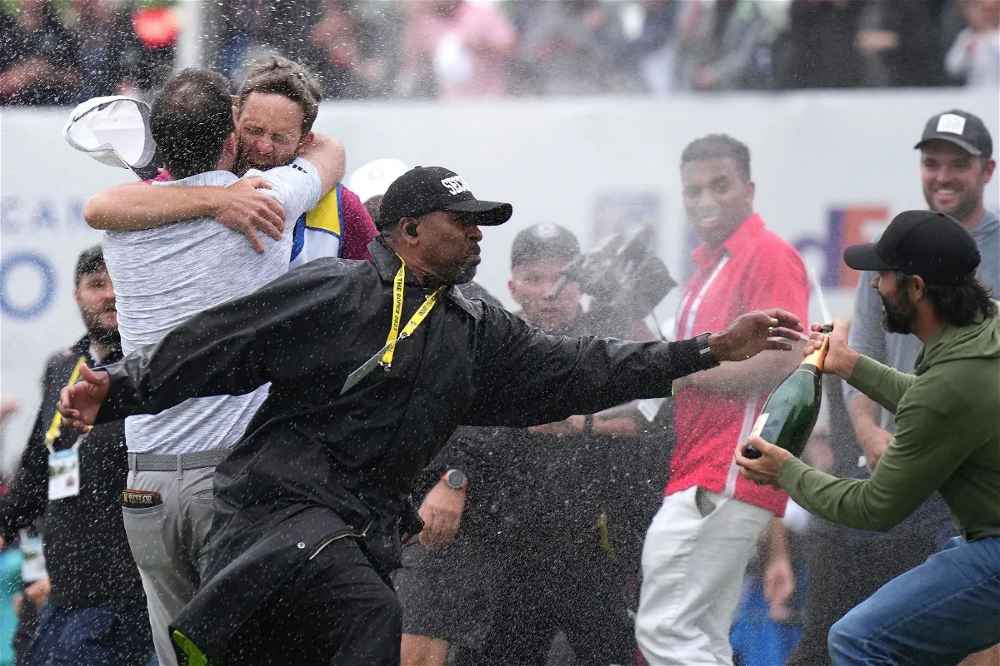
(699, 543)
(105, 41)
(335, 37)
(737, 53)
(455, 49)
(30, 602)
(903, 42)
(568, 48)
(95, 609)
(251, 29)
(156, 30)
(819, 49)
(38, 59)
(652, 52)
(975, 55)
(10, 586)
(354, 48)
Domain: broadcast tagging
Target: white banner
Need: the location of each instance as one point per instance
(830, 167)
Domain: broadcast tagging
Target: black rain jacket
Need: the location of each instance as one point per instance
(315, 465)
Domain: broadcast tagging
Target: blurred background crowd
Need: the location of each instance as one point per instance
(57, 52)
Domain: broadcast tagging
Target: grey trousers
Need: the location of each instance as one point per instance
(168, 544)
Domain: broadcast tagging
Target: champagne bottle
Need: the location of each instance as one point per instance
(792, 408)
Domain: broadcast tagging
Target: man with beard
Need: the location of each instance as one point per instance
(946, 441)
(312, 504)
(95, 613)
(274, 113)
(955, 166)
(163, 276)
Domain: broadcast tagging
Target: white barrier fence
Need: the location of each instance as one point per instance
(830, 169)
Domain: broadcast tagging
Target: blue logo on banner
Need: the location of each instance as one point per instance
(47, 275)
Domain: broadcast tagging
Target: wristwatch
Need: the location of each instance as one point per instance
(704, 351)
(456, 479)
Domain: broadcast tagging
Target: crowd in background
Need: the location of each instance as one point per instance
(65, 51)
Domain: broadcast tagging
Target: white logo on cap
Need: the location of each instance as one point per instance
(454, 185)
(950, 123)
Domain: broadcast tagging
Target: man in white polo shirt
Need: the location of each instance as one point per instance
(165, 275)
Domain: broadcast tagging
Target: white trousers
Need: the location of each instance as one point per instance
(693, 562)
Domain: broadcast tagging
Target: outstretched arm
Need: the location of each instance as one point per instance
(534, 378)
(230, 349)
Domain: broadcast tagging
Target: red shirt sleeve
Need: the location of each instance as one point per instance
(359, 230)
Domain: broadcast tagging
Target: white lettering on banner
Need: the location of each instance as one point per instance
(454, 185)
(30, 216)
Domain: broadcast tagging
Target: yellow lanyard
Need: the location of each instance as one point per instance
(55, 428)
(398, 288)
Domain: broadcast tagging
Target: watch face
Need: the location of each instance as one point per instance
(455, 478)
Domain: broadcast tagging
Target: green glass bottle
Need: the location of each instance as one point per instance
(792, 408)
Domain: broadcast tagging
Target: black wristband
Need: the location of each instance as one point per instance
(588, 424)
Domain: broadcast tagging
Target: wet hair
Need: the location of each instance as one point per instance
(90, 260)
(281, 76)
(719, 146)
(190, 121)
(959, 304)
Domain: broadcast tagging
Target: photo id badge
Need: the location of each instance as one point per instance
(64, 474)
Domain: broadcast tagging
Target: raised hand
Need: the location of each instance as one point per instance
(80, 402)
(753, 332)
(244, 208)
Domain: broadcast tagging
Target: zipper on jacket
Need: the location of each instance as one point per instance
(337, 537)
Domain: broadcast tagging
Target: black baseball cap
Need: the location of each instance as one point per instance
(960, 128)
(543, 241)
(91, 260)
(423, 190)
(920, 242)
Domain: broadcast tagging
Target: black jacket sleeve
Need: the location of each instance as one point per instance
(272, 334)
(29, 493)
(530, 377)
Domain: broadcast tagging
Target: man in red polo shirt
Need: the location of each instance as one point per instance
(701, 539)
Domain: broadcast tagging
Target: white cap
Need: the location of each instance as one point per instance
(114, 131)
(373, 178)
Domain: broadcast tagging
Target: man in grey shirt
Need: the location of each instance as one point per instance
(164, 276)
(955, 166)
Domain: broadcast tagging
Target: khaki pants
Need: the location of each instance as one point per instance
(168, 544)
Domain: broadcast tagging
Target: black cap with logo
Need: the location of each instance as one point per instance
(920, 242)
(960, 128)
(543, 241)
(423, 190)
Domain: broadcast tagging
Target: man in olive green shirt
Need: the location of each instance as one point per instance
(947, 439)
